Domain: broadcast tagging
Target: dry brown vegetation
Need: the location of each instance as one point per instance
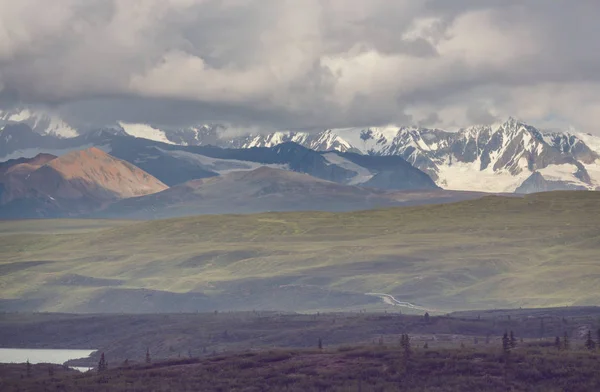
(370, 368)
(173, 336)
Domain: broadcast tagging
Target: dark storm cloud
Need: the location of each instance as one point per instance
(307, 65)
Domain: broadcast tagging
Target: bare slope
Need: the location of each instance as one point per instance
(77, 182)
(540, 250)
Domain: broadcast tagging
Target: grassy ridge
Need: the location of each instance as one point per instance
(540, 250)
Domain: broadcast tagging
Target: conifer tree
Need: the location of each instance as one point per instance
(320, 344)
(148, 359)
(566, 341)
(589, 342)
(598, 338)
(28, 368)
(557, 343)
(513, 340)
(405, 343)
(102, 365)
(426, 318)
(505, 343)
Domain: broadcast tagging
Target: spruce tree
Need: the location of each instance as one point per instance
(28, 368)
(148, 359)
(406, 345)
(589, 342)
(566, 341)
(102, 365)
(320, 344)
(426, 318)
(505, 343)
(557, 343)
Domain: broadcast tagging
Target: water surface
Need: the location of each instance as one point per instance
(21, 355)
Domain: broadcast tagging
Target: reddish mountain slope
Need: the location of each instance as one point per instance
(78, 182)
(87, 170)
(24, 165)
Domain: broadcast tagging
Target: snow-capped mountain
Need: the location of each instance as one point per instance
(505, 157)
(499, 158)
(174, 164)
(41, 121)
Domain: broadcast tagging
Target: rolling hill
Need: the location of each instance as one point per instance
(267, 189)
(539, 250)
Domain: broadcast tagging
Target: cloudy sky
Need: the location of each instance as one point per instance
(304, 64)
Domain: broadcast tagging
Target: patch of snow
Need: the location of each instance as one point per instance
(144, 131)
(592, 141)
(593, 170)
(467, 176)
(362, 175)
(217, 165)
(19, 116)
(381, 137)
(331, 140)
(41, 121)
(564, 172)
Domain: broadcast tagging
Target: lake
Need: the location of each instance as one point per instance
(21, 355)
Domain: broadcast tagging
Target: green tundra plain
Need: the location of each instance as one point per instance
(536, 251)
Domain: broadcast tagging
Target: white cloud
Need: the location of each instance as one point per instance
(310, 63)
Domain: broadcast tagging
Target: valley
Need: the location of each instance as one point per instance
(306, 196)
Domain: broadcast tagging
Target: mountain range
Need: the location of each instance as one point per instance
(507, 157)
(288, 177)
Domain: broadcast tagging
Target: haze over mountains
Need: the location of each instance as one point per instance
(506, 157)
